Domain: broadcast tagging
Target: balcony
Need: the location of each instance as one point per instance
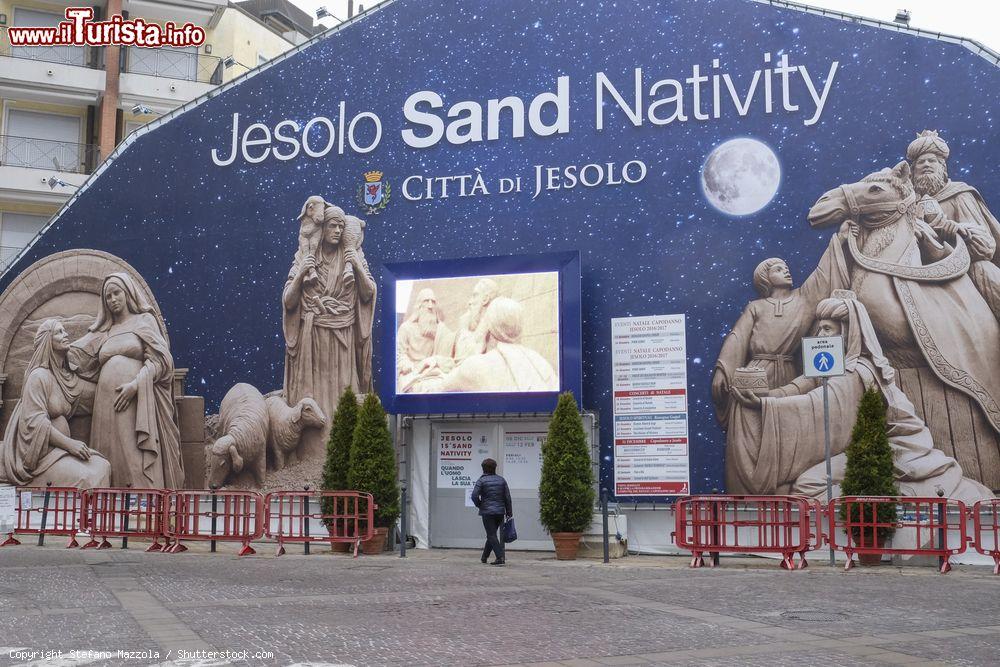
(79, 56)
(204, 13)
(54, 74)
(58, 156)
(7, 255)
(173, 64)
(199, 12)
(27, 164)
(282, 15)
(163, 79)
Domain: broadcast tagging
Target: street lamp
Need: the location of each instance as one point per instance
(54, 183)
(324, 13)
(229, 61)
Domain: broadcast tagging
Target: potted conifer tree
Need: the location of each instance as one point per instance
(338, 454)
(869, 472)
(566, 492)
(372, 469)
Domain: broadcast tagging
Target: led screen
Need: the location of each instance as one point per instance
(480, 333)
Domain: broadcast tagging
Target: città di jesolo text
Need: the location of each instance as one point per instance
(637, 98)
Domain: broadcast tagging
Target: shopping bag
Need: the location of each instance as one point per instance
(509, 531)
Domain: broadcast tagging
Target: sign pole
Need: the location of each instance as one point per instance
(823, 358)
(829, 468)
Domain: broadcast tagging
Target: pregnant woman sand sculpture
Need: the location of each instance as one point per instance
(126, 353)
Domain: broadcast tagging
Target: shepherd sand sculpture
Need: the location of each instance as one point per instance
(328, 306)
(327, 321)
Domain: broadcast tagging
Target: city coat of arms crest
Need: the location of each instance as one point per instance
(373, 194)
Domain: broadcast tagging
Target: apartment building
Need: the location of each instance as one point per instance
(63, 109)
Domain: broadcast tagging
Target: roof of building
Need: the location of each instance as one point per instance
(976, 47)
(281, 12)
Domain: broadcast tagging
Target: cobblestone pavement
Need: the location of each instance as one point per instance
(444, 608)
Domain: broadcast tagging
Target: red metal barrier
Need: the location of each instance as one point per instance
(320, 516)
(936, 526)
(817, 523)
(747, 524)
(223, 516)
(58, 512)
(113, 512)
(986, 530)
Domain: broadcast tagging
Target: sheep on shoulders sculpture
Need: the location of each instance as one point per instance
(254, 429)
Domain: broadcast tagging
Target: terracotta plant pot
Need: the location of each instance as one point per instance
(567, 544)
(376, 544)
(341, 547)
(871, 560)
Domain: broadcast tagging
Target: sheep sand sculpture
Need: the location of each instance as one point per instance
(254, 429)
(242, 443)
(286, 425)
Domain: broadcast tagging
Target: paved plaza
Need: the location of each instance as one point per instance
(443, 607)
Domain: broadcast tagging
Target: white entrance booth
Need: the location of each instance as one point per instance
(441, 456)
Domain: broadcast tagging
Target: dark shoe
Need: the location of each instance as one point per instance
(483, 561)
(497, 562)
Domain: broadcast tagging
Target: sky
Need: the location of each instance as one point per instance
(975, 19)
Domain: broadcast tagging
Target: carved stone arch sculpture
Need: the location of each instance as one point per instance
(66, 285)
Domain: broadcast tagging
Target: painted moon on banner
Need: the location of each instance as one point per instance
(741, 176)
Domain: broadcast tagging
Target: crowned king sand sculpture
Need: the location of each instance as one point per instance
(913, 281)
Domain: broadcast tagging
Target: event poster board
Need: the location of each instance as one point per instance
(649, 361)
(522, 458)
(8, 501)
(460, 453)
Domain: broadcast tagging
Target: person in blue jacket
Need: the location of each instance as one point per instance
(492, 496)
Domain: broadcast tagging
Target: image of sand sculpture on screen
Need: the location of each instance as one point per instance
(489, 334)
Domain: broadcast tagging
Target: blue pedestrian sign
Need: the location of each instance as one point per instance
(823, 356)
(823, 362)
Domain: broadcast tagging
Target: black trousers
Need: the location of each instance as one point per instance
(492, 523)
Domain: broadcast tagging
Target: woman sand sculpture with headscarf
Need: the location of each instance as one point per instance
(38, 448)
(773, 447)
(133, 419)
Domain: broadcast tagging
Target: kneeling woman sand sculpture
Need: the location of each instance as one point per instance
(773, 441)
(37, 448)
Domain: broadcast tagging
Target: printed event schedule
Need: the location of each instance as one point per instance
(649, 371)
